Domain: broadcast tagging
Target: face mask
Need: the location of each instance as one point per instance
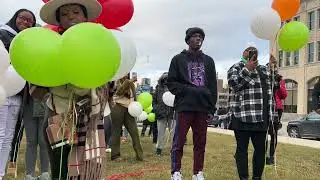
(244, 60)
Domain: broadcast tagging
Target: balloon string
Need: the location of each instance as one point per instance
(63, 127)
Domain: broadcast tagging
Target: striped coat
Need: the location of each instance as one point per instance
(86, 159)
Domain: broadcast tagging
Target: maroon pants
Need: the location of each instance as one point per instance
(198, 122)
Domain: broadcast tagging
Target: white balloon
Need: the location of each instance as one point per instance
(4, 59)
(266, 23)
(2, 96)
(128, 54)
(168, 98)
(143, 116)
(135, 109)
(12, 82)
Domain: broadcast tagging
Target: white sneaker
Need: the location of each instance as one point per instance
(29, 177)
(176, 176)
(44, 176)
(198, 176)
(108, 150)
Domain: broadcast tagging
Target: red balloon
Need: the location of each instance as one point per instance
(45, 1)
(51, 27)
(118, 29)
(115, 13)
(101, 1)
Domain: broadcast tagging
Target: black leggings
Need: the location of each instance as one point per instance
(15, 144)
(274, 135)
(55, 154)
(241, 156)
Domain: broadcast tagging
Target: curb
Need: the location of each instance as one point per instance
(281, 139)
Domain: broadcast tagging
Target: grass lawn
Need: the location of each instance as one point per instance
(294, 162)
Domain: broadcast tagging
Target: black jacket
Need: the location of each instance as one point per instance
(162, 111)
(6, 36)
(192, 79)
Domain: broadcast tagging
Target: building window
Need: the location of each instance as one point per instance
(296, 18)
(296, 57)
(280, 58)
(318, 50)
(290, 103)
(311, 18)
(311, 84)
(319, 18)
(288, 55)
(311, 52)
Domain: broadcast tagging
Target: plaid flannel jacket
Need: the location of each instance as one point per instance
(246, 97)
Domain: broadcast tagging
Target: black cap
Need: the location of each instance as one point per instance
(192, 31)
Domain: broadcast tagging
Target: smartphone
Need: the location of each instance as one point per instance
(252, 53)
(83, 102)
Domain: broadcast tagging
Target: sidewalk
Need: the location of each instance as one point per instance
(281, 139)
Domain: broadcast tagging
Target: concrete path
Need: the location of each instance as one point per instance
(281, 139)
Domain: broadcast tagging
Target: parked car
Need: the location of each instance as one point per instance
(224, 121)
(218, 121)
(306, 127)
(213, 122)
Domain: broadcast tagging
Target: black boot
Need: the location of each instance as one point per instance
(158, 152)
(244, 178)
(256, 178)
(270, 161)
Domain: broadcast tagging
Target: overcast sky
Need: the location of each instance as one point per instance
(158, 29)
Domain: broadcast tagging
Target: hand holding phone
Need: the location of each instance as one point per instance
(253, 61)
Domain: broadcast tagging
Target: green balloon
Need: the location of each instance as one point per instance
(151, 117)
(145, 99)
(293, 36)
(149, 109)
(91, 54)
(34, 54)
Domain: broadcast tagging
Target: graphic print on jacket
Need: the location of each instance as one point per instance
(192, 79)
(197, 74)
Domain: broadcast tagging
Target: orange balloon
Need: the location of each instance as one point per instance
(286, 8)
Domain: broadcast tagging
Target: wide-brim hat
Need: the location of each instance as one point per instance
(48, 10)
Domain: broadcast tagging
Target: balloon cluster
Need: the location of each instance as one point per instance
(87, 55)
(142, 109)
(266, 24)
(11, 83)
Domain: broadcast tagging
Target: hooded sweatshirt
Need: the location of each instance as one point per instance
(192, 79)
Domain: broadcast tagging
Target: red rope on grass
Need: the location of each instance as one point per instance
(133, 174)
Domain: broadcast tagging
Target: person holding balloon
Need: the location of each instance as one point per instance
(192, 79)
(74, 115)
(252, 109)
(11, 126)
(164, 113)
(124, 95)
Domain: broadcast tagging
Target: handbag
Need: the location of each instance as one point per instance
(59, 130)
